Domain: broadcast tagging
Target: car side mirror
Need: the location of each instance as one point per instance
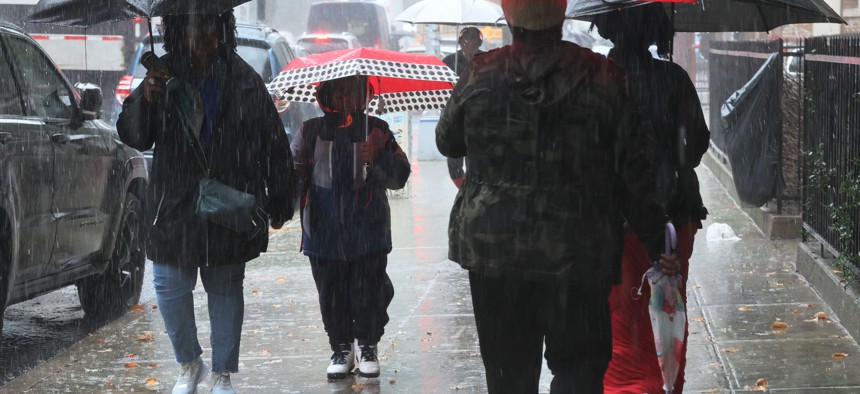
(91, 100)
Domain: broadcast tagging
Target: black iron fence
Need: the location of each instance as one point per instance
(731, 64)
(831, 141)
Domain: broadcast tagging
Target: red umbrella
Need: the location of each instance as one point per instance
(403, 81)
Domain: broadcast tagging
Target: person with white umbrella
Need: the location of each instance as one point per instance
(470, 40)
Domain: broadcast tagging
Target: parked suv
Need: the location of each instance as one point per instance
(263, 48)
(70, 210)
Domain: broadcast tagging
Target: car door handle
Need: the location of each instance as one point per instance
(5, 137)
(61, 139)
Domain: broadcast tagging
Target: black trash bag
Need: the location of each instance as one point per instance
(751, 124)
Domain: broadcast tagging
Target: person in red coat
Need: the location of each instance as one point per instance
(670, 110)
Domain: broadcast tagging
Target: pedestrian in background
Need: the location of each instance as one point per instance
(220, 100)
(555, 165)
(345, 161)
(670, 112)
(470, 40)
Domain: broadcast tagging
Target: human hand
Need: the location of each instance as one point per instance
(277, 224)
(669, 264)
(459, 181)
(154, 84)
(370, 148)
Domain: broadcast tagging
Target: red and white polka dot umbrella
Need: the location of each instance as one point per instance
(403, 81)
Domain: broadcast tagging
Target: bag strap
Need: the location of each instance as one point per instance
(196, 148)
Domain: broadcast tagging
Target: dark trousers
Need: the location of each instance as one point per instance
(354, 298)
(516, 318)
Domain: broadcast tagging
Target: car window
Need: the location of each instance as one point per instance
(45, 93)
(256, 57)
(10, 101)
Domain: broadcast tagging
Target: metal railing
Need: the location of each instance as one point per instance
(831, 139)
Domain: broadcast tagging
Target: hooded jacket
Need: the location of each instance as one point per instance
(555, 166)
(346, 215)
(248, 150)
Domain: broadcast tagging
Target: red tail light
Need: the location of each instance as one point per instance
(281, 105)
(123, 88)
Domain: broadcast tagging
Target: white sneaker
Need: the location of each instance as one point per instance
(368, 364)
(342, 362)
(221, 384)
(192, 374)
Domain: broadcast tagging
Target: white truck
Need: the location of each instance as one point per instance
(97, 54)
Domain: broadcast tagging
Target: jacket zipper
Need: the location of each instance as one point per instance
(158, 210)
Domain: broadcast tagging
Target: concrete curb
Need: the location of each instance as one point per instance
(843, 298)
(773, 225)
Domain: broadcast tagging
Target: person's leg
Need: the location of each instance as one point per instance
(371, 291)
(173, 287)
(579, 344)
(330, 277)
(686, 237)
(634, 367)
(508, 333)
(224, 289)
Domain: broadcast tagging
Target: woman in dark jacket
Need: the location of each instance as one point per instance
(669, 111)
(206, 90)
(345, 162)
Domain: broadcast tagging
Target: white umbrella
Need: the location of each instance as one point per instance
(453, 12)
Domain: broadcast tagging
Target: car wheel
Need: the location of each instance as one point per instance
(113, 292)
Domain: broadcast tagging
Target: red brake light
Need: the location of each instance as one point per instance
(123, 88)
(322, 38)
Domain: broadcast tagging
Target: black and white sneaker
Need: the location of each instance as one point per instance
(342, 362)
(368, 363)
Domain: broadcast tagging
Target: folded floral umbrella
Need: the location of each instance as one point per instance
(668, 316)
(401, 81)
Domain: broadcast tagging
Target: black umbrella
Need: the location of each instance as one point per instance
(720, 15)
(86, 13)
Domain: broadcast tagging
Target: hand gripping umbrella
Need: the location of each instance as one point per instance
(400, 81)
(668, 315)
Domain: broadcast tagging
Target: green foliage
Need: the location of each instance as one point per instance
(843, 204)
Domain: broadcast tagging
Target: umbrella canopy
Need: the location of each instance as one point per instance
(86, 13)
(721, 15)
(403, 81)
(453, 12)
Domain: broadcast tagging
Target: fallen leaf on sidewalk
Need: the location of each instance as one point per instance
(359, 386)
(282, 279)
(712, 391)
(744, 309)
(130, 355)
(132, 365)
(780, 326)
(822, 316)
(146, 337)
(152, 365)
(839, 356)
(102, 341)
(137, 308)
(256, 292)
(761, 384)
(151, 383)
(796, 312)
(392, 381)
(731, 350)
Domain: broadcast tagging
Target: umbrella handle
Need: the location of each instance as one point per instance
(671, 237)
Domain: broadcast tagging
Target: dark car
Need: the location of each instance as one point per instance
(70, 210)
(366, 20)
(260, 46)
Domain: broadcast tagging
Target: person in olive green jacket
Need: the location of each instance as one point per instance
(555, 167)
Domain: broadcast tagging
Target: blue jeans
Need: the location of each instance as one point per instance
(223, 285)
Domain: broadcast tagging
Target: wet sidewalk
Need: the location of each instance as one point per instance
(739, 289)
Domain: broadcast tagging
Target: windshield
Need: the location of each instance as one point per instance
(358, 19)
